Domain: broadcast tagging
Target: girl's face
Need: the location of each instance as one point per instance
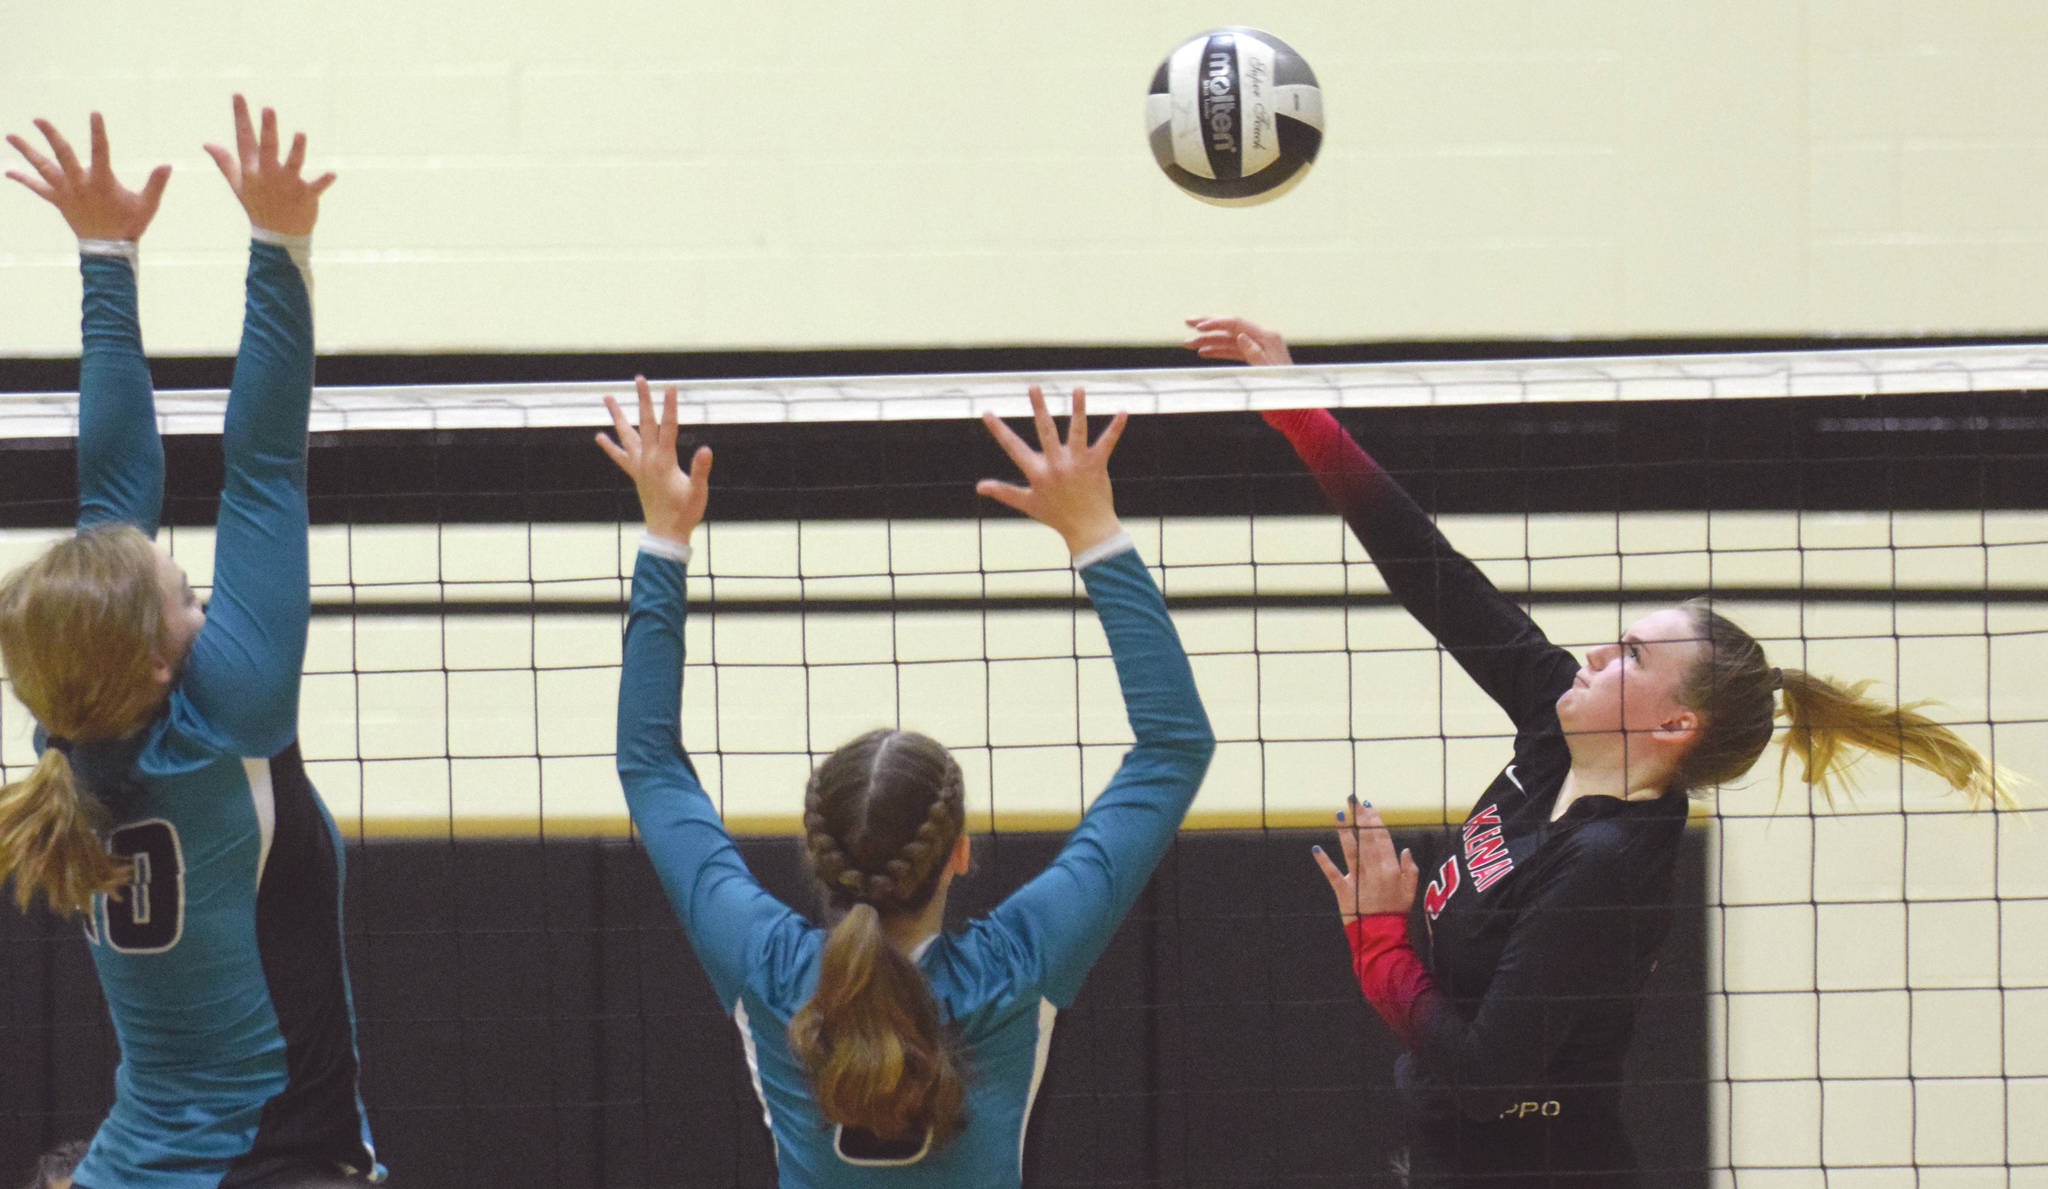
(1634, 683)
(183, 615)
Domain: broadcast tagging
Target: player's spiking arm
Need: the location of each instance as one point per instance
(1491, 637)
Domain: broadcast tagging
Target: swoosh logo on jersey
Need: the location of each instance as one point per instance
(1510, 774)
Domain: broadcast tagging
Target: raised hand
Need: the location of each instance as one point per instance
(272, 191)
(1067, 486)
(1239, 339)
(91, 199)
(672, 502)
(1372, 879)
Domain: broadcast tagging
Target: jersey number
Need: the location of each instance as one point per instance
(1442, 888)
(147, 916)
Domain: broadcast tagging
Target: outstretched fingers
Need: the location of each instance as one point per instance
(1106, 444)
(1077, 421)
(245, 136)
(46, 169)
(1340, 882)
(229, 167)
(67, 161)
(153, 190)
(1048, 433)
(624, 444)
(1007, 494)
(266, 140)
(1019, 451)
(102, 156)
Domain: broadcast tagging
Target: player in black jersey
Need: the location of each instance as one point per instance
(1544, 922)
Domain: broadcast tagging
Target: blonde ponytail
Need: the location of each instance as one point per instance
(1824, 719)
(871, 1036)
(1737, 693)
(80, 628)
(50, 843)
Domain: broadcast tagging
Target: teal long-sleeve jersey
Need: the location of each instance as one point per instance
(222, 964)
(1002, 978)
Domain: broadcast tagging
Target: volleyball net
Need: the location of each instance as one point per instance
(1862, 992)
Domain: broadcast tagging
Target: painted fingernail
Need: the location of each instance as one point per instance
(1340, 815)
(1317, 849)
(1367, 804)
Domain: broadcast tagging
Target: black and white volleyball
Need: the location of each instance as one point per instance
(1235, 116)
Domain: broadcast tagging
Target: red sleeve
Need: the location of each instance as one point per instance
(1490, 635)
(1349, 477)
(1394, 980)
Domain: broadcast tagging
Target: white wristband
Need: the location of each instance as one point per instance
(663, 547)
(124, 248)
(298, 247)
(1102, 550)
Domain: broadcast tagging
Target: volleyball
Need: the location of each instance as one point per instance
(1234, 116)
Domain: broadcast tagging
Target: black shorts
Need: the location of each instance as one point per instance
(1591, 1151)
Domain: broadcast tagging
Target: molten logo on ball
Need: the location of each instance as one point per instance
(1219, 101)
(1235, 116)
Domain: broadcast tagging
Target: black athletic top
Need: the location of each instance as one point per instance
(1539, 934)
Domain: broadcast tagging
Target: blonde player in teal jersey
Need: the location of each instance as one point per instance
(169, 811)
(886, 1050)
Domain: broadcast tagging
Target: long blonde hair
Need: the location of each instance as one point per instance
(80, 629)
(1738, 693)
(880, 819)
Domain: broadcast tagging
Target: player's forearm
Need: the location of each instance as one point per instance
(1482, 1070)
(1390, 974)
(649, 745)
(1129, 826)
(120, 456)
(1160, 698)
(264, 437)
(255, 639)
(1490, 635)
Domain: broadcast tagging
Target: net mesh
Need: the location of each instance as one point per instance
(1857, 988)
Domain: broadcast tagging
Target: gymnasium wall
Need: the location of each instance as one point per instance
(615, 175)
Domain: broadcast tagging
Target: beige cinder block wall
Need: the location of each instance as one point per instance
(624, 175)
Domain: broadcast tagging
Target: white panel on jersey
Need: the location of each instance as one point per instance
(1301, 101)
(263, 799)
(1261, 140)
(1046, 1012)
(739, 1016)
(1184, 87)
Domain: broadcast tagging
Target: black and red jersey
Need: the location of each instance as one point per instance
(1537, 935)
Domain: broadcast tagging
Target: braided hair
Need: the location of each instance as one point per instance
(881, 817)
